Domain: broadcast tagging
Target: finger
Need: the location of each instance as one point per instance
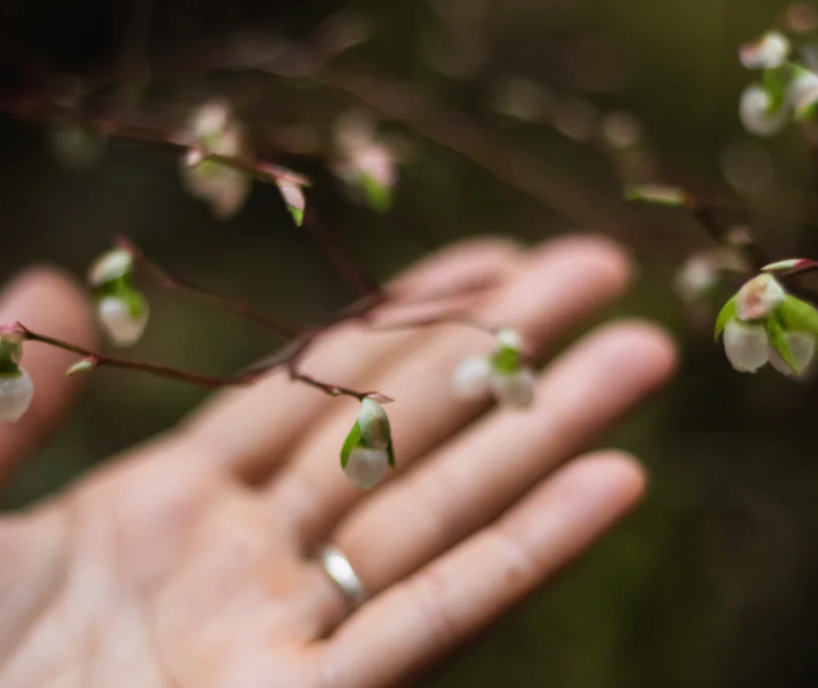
(471, 480)
(250, 430)
(560, 285)
(395, 634)
(48, 301)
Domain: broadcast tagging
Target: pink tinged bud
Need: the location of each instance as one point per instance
(802, 350)
(755, 115)
(471, 378)
(768, 52)
(118, 321)
(758, 297)
(294, 198)
(16, 393)
(746, 346)
(110, 266)
(366, 467)
(515, 390)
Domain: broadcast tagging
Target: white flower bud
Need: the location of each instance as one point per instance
(803, 92)
(374, 424)
(366, 467)
(746, 346)
(758, 297)
(802, 348)
(119, 322)
(210, 120)
(16, 393)
(754, 112)
(768, 52)
(509, 339)
(471, 378)
(110, 266)
(515, 390)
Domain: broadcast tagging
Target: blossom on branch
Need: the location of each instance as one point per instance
(214, 131)
(762, 323)
(16, 386)
(122, 310)
(502, 375)
(367, 452)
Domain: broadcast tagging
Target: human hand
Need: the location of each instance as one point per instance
(190, 561)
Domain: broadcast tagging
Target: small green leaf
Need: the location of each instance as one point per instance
(798, 316)
(298, 215)
(379, 196)
(778, 340)
(775, 81)
(506, 360)
(82, 366)
(352, 441)
(658, 194)
(728, 312)
(390, 452)
(8, 368)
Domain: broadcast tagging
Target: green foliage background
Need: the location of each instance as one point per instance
(712, 582)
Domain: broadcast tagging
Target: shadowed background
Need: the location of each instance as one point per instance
(711, 581)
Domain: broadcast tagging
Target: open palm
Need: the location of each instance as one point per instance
(190, 561)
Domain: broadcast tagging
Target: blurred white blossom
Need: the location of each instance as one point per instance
(16, 393)
(758, 113)
(123, 320)
(768, 52)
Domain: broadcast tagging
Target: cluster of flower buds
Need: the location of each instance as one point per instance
(503, 374)
(763, 323)
(787, 89)
(367, 452)
(122, 310)
(16, 387)
(365, 162)
(214, 131)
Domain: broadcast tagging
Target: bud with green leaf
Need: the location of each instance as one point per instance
(762, 323)
(122, 310)
(368, 450)
(503, 374)
(16, 387)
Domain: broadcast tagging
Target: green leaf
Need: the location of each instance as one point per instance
(8, 368)
(775, 81)
(390, 452)
(379, 196)
(728, 312)
(353, 440)
(796, 315)
(506, 360)
(298, 215)
(776, 335)
(658, 194)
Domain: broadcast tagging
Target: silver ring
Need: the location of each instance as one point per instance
(342, 574)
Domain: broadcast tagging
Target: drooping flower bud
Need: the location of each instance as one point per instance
(367, 450)
(16, 393)
(502, 374)
(776, 327)
(16, 387)
(365, 162)
(768, 52)
(124, 320)
(759, 113)
(122, 310)
(214, 131)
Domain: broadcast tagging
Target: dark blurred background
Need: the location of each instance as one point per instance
(712, 582)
